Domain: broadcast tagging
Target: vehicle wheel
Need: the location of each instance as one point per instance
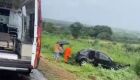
(83, 62)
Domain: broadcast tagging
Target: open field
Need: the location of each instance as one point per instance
(115, 50)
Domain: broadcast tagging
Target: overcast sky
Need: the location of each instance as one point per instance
(116, 13)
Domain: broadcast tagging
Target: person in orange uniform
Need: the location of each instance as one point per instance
(67, 54)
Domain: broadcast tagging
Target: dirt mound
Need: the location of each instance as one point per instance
(54, 72)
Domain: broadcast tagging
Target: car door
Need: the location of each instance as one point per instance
(91, 56)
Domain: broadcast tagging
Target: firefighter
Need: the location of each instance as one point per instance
(67, 54)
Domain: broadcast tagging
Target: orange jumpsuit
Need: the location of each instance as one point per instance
(67, 54)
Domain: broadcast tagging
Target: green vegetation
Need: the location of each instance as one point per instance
(102, 32)
(78, 30)
(86, 31)
(75, 29)
(117, 51)
(137, 67)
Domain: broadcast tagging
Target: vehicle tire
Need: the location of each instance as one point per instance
(83, 62)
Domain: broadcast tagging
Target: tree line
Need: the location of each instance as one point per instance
(78, 30)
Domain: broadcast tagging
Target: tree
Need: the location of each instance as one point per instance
(104, 35)
(102, 32)
(75, 29)
(50, 27)
(43, 25)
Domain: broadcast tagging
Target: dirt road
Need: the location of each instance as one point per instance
(54, 72)
(37, 75)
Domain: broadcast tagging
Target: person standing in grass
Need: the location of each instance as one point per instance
(57, 51)
(67, 54)
(62, 48)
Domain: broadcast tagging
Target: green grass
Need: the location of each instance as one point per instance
(88, 72)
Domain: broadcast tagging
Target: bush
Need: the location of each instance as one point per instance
(102, 32)
(95, 42)
(137, 67)
(72, 59)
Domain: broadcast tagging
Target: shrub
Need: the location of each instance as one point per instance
(137, 67)
(95, 42)
(72, 59)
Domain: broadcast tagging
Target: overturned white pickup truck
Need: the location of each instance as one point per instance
(20, 34)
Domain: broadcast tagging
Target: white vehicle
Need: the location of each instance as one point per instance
(20, 34)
